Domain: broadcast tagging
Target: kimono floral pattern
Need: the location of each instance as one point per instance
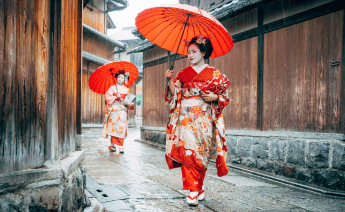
(115, 121)
(196, 134)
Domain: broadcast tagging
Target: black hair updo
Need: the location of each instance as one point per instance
(204, 47)
(118, 73)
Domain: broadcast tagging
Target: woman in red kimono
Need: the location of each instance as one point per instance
(195, 130)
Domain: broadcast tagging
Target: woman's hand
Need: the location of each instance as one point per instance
(169, 73)
(209, 96)
(130, 104)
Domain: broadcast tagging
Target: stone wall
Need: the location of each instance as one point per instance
(317, 158)
(311, 157)
(57, 186)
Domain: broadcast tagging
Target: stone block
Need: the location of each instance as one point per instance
(337, 157)
(342, 181)
(265, 165)
(270, 166)
(260, 148)
(14, 201)
(317, 153)
(277, 149)
(295, 153)
(329, 178)
(12, 180)
(278, 167)
(146, 135)
(249, 162)
(153, 136)
(261, 164)
(304, 174)
(244, 147)
(288, 171)
(72, 162)
(142, 134)
(46, 199)
(232, 144)
(161, 138)
(234, 159)
(73, 193)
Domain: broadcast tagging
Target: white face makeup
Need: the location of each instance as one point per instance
(194, 54)
(120, 79)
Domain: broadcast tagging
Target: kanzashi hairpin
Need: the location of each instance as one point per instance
(201, 40)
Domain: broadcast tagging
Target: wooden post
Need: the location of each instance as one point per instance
(79, 65)
(87, 111)
(49, 150)
(342, 90)
(260, 66)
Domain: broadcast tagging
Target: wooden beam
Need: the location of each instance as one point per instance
(245, 35)
(260, 78)
(79, 66)
(156, 62)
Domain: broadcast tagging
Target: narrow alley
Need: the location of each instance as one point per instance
(139, 180)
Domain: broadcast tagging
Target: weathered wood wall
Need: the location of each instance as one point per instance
(37, 109)
(240, 66)
(65, 75)
(302, 90)
(301, 87)
(98, 47)
(131, 113)
(93, 104)
(94, 18)
(154, 110)
(23, 83)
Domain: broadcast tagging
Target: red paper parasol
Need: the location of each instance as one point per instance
(104, 77)
(168, 25)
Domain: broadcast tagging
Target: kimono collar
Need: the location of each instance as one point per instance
(199, 69)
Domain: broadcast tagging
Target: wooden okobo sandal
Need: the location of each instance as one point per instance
(192, 201)
(112, 148)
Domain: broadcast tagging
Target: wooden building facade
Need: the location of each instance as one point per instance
(286, 68)
(98, 49)
(40, 60)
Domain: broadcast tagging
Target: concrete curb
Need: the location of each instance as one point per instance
(263, 176)
(96, 206)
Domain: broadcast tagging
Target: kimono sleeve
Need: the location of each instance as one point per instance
(109, 96)
(131, 108)
(178, 84)
(222, 92)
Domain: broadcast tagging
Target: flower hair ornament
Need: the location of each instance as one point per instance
(201, 40)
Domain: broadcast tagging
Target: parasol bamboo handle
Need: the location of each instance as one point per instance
(172, 65)
(168, 78)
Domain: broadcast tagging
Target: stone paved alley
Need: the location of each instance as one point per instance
(139, 180)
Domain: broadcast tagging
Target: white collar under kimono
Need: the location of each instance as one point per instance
(199, 69)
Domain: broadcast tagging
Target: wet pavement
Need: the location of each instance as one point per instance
(139, 180)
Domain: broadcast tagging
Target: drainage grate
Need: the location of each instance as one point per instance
(104, 193)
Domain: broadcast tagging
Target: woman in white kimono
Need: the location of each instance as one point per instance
(115, 122)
